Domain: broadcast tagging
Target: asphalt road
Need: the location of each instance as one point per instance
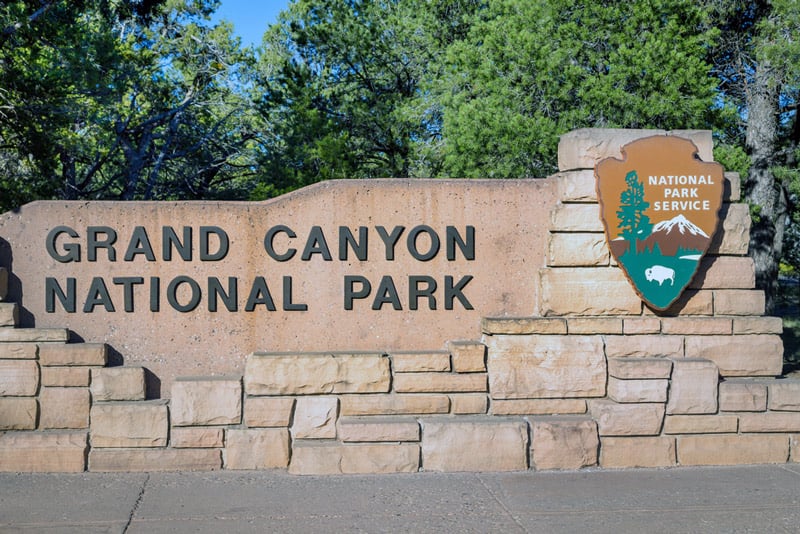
(723, 499)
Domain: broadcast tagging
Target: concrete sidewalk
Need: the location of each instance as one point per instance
(735, 499)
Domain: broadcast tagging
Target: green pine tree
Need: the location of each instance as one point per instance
(634, 225)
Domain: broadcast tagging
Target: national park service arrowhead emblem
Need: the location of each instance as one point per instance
(660, 208)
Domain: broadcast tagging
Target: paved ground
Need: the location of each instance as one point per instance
(738, 499)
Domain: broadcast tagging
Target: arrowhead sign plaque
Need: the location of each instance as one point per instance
(660, 209)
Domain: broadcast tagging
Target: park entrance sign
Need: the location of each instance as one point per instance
(659, 206)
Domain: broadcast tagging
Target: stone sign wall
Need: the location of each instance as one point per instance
(558, 365)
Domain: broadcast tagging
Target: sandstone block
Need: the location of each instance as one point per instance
(469, 404)
(700, 424)
(468, 356)
(353, 459)
(646, 346)
(420, 362)
(576, 218)
(577, 186)
(641, 325)
(440, 382)
(577, 250)
(67, 377)
(733, 449)
(725, 272)
(19, 378)
(739, 302)
(197, 437)
(702, 326)
(693, 388)
(394, 404)
(18, 413)
(691, 302)
(746, 355)
(563, 442)
(615, 419)
(19, 351)
(586, 291)
(206, 401)
(769, 422)
(742, 396)
(146, 460)
(785, 395)
(315, 418)
(129, 424)
(43, 452)
(9, 314)
(33, 335)
(794, 445)
(593, 325)
(481, 445)
(523, 325)
(268, 411)
(656, 451)
(539, 407)
(733, 187)
(64, 408)
(735, 235)
(757, 325)
(639, 368)
(117, 384)
(94, 354)
(539, 366)
(376, 429)
(308, 374)
(257, 448)
(652, 390)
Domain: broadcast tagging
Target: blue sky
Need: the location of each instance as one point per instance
(250, 18)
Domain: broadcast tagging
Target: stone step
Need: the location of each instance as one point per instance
(34, 335)
(117, 384)
(378, 429)
(563, 442)
(154, 459)
(9, 314)
(334, 458)
(129, 424)
(83, 354)
(205, 401)
(43, 452)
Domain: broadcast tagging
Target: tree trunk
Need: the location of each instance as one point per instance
(767, 196)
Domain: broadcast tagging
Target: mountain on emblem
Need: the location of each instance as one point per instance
(659, 207)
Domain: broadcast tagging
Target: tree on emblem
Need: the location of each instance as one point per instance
(634, 225)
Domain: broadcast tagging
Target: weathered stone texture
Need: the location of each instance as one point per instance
(394, 404)
(563, 442)
(18, 413)
(538, 407)
(742, 396)
(122, 460)
(377, 429)
(353, 459)
(641, 325)
(117, 384)
(93, 354)
(19, 351)
(577, 186)
(440, 382)
(33, 335)
(615, 419)
(420, 362)
(769, 422)
(646, 346)
(785, 395)
(739, 302)
(747, 355)
(576, 218)
(733, 187)
(68, 377)
(480, 445)
(577, 250)
(703, 326)
(733, 449)
(9, 314)
(757, 325)
(725, 272)
(308, 374)
(693, 388)
(64, 408)
(257, 448)
(734, 236)
(19, 378)
(469, 404)
(206, 401)
(315, 418)
(637, 390)
(523, 325)
(129, 424)
(197, 437)
(700, 424)
(268, 411)
(593, 325)
(657, 451)
(468, 356)
(43, 452)
(639, 368)
(794, 446)
(587, 291)
(546, 367)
